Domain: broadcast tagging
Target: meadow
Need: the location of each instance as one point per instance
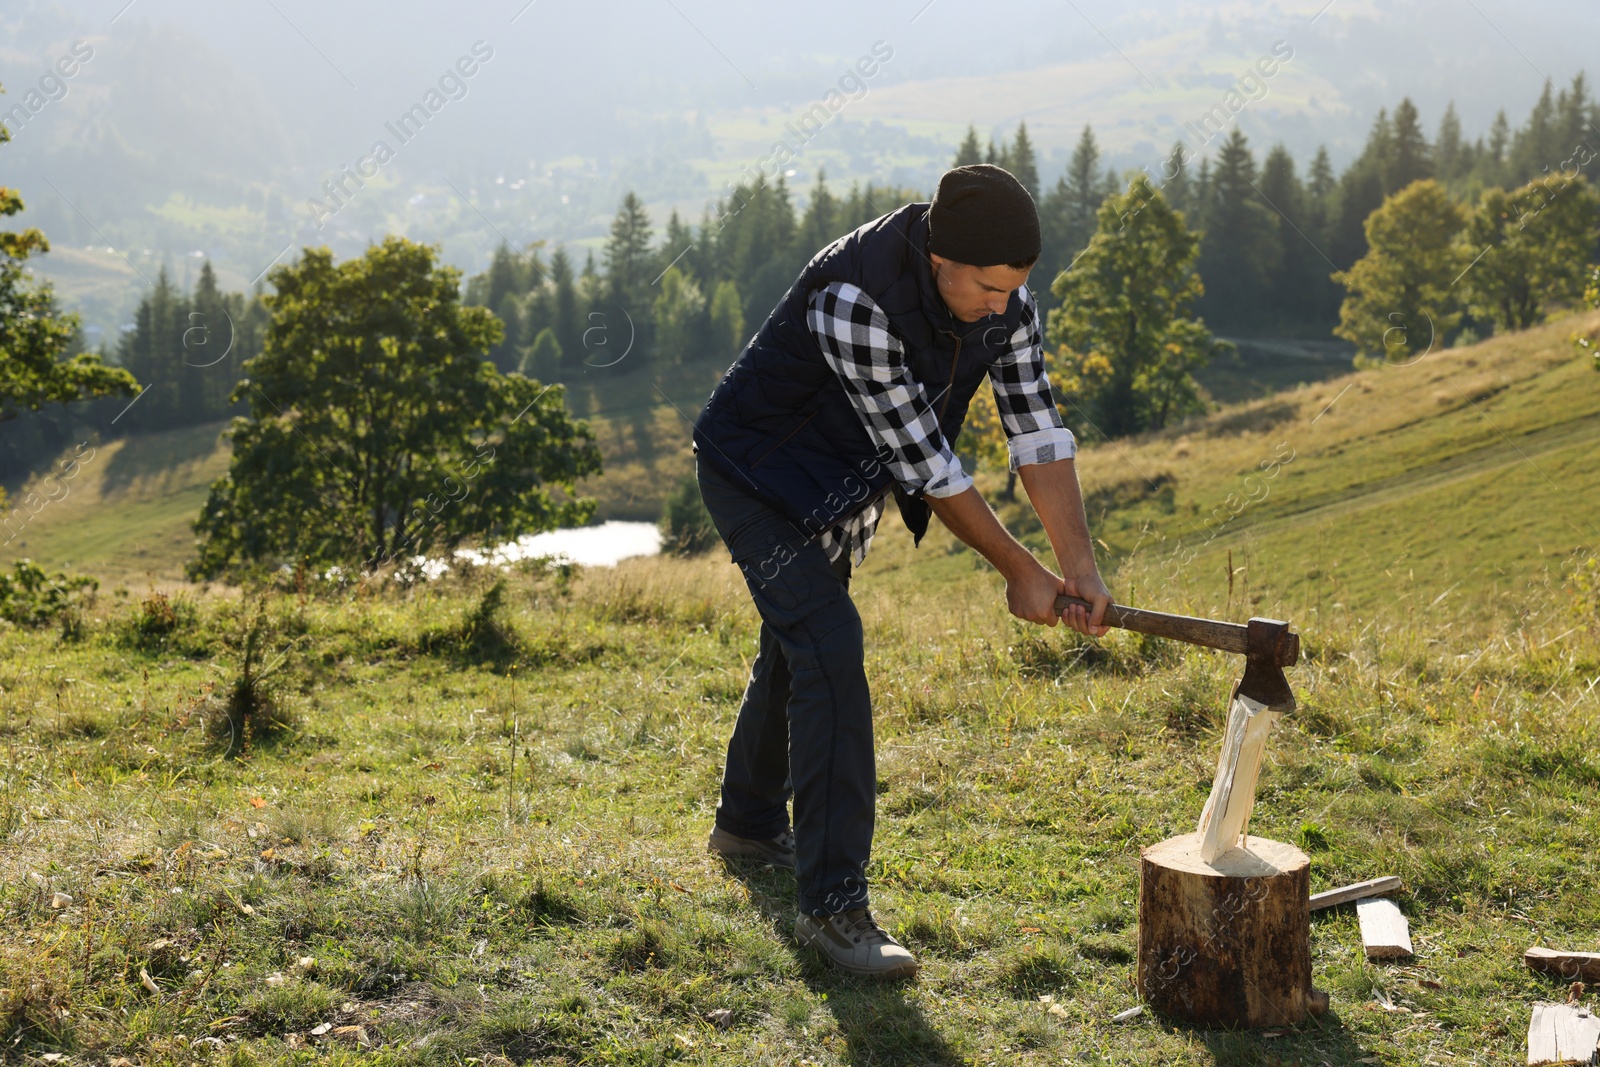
(464, 822)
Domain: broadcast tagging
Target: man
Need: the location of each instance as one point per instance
(856, 386)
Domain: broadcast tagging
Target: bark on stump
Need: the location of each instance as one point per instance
(1227, 943)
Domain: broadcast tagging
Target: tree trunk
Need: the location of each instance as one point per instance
(1227, 943)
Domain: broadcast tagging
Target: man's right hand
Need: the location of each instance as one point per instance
(1031, 595)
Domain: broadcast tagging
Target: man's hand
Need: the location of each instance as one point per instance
(1031, 587)
(1031, 594)
(1086, 587)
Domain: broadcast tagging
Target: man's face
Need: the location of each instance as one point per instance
(973, 292)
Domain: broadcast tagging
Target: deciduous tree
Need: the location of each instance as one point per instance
(1399, 299)
(378, 430)
(1531, 246)
(1125, 345)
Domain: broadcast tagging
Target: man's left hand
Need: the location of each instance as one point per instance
(1086, 587)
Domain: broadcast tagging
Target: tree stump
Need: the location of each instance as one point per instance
(1227, 943)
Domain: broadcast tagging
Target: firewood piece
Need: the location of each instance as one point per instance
(1562, 1033)
(1567, 965)
(1384, 932)
(1226, 943)
(1377, 887)
(1233, 791)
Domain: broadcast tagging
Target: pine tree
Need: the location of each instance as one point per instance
(1449, 152)
(708, 266)
(1054, 237)
(1292, 263)
(1239, 241)
(1361, 192)
(969, 152)
(1175, 184)
(677, 248)
(153, 352)
(1572, 118)
(1023, 163)
(628, 259)
(1084, 193)
(568, 316)
(1409, 156)
(820, 225)
(1322, 207)
(507, 276)
(211, 349)
(1202, 197)
(507, 353)
(1494, 162)
(1535, 146)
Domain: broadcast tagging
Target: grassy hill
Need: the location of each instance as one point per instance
(1468, 474)
(478, 834)
(126, 511)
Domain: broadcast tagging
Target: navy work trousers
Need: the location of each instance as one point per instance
(805, 724)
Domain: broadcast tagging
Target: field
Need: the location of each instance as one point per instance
(476, 833)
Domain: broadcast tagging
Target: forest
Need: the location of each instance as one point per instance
(661, 313)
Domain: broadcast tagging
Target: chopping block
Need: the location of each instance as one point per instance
(1225, 918)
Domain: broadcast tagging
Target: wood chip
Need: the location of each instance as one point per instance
(1376, 887)
(1384, 932)
(1566, 965)
(1562, 1033)
(1130, 1013)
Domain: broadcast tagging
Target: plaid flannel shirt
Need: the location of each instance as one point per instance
(900, 417)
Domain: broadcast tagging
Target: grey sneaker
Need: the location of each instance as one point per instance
(855, 942)
(778, 851)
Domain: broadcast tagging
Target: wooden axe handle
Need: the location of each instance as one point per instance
(1228, 636)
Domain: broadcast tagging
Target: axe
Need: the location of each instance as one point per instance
(1258, 699)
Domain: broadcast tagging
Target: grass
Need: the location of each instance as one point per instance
(465, 849)
(465, 823)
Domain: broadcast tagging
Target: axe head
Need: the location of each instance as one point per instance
(1258, 699)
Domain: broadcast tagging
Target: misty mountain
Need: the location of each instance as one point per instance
(238, 132)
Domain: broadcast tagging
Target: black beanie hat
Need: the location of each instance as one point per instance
(981, 216)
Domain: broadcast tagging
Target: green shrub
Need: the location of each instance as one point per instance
(30, 597)
(249, 710)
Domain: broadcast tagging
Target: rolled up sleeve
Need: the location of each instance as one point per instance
(1022, 395)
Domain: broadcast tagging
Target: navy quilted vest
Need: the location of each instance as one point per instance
(780, 424)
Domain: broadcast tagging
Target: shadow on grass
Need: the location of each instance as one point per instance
(879, 1023)
(1317, 1040)
(160, 458)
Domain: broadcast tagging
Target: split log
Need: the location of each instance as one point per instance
(1377, 887)
(1562, 1033)
(1384, 931)
(1571, 966)
(1226, 942)
(1226, 815)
